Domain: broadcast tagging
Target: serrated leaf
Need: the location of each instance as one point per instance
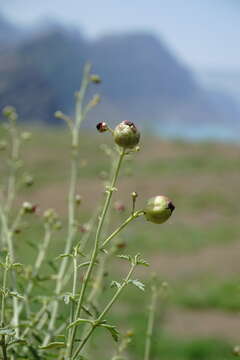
(15, 294)
(78, 322)
(53, 345)
(138, 284)
(142, 262)
(17, 265)
(115, 284)
(84, 264)
(30, 243)
(63, 256)
(87, 311)
(113, 331)
(125, 257)
(7, 331)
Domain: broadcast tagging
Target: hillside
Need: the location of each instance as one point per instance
(142, 80)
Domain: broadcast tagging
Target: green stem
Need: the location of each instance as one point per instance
(14, 158)
(39, 260)
(104, 312)
(121, 227)
(152, 310)
(3, 342)
(71, 197)
(8, 237)
(95, 250)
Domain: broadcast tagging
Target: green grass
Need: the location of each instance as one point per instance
(209, 293)
(202, 180)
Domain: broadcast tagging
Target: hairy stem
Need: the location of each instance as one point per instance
(121, 227)
(71, 196)
(95, 251)
(104, 312)
(39, 260)
(11, 190)
(8, 238)
(151, 316)
(3, 342)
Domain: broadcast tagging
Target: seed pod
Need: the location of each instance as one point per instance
(158, 209)
(126, 135)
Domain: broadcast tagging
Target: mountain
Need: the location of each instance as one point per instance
(142, 80)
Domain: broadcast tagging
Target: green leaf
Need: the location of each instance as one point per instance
(7, 331)
(53, 345)
(115, 284)
(138, 284)
(87, 311)
(15, 294)
(125, 257)
(63, 256)
(17, 265)
(78, 322)
(142, 262)
(113, 331)
(84, 264)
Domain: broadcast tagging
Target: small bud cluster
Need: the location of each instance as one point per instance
(51, 218)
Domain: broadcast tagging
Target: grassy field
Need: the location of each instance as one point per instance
(196, 252)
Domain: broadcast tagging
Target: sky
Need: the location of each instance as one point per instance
(203, 33)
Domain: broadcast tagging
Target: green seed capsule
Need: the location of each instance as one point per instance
(126, 135)
(159, 209)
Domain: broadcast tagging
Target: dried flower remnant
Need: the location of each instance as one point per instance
(102, 127)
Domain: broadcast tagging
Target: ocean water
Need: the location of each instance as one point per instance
(221, 133)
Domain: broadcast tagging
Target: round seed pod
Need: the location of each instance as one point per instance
(126, 135)
(158, 209)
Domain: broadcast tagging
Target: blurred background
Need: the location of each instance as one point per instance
(172, 67)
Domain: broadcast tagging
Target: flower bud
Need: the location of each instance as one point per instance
(78, 199)
(126, 135)
(95, 79)
(134, 195)
(158, 209)
(58, 114)
(236, 350)
(8, 111)
(28, 180)
(26, 136)
(102, 127)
